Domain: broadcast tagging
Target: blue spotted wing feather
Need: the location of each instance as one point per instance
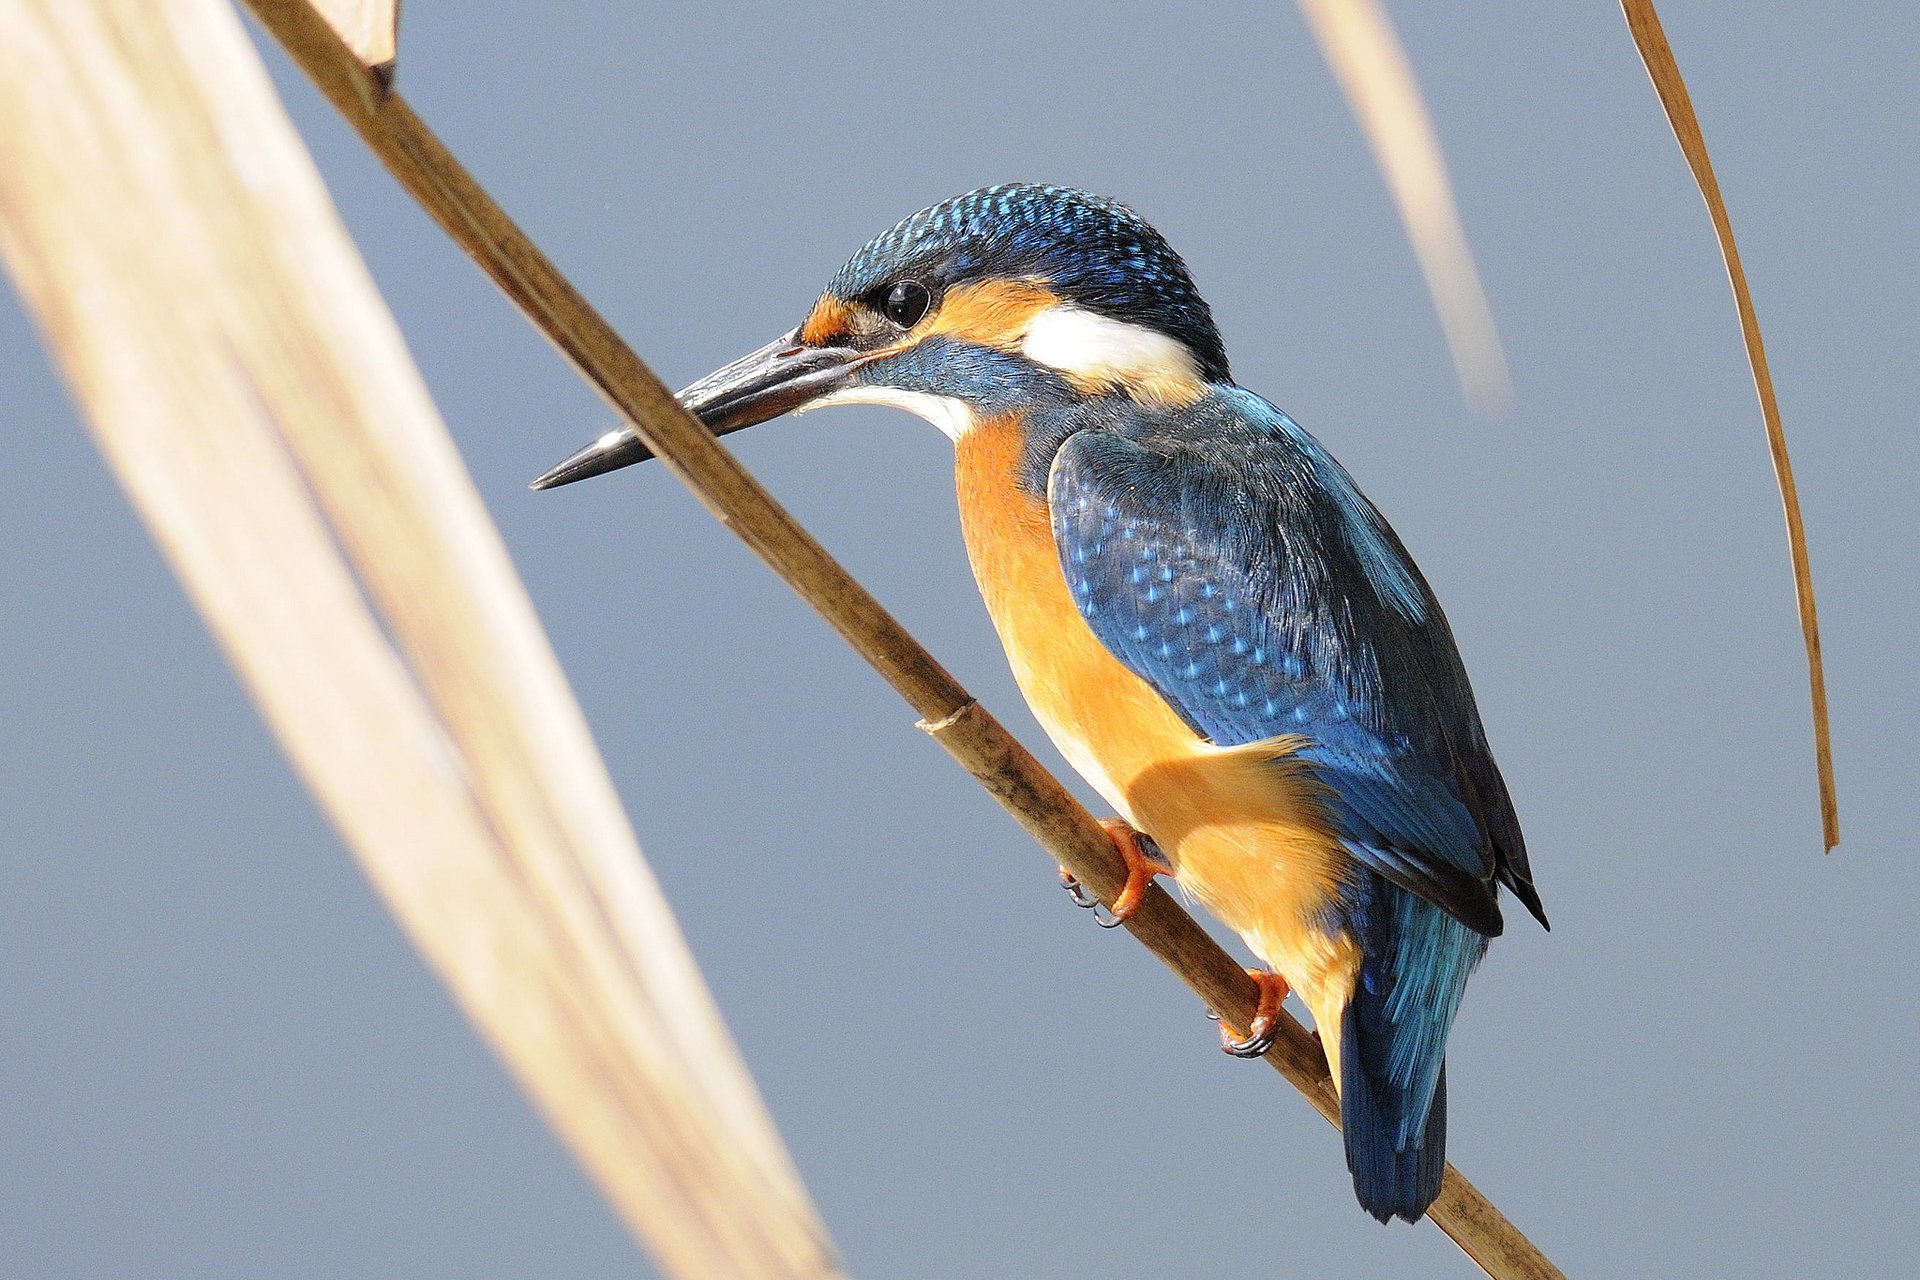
(1227, 560)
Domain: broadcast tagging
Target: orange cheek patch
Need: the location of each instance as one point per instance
(830, 318)
(992, 313)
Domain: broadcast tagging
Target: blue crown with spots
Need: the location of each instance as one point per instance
(1094, 252)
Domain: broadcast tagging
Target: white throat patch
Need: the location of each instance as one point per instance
(1093, 350)
(953, 417)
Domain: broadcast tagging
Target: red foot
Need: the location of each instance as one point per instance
(1141, 869)
(1266, 1018)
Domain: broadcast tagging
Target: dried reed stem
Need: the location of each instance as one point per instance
(965, 729)
(1358, 41)
(1651, 40)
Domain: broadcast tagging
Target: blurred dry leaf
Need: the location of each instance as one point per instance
(253, 396)
(370, 28)
(1360, 46)
(1651, 40)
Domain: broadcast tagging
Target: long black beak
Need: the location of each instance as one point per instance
(776, 379)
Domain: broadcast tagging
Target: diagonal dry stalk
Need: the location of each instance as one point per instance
(254, 398)
(1651, 40)
(967, 731)
(1359, 44)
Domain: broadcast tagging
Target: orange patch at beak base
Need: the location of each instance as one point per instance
(830, 319)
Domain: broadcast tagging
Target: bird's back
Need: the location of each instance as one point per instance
(1223, 558)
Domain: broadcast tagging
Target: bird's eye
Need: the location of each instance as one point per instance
(906, 302)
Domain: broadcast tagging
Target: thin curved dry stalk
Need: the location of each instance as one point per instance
(961, 725)
(1651, 40)
(1358, 41)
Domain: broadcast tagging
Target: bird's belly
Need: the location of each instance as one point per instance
(1242, 834)
(1240, 825)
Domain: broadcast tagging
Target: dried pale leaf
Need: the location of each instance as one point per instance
(371, 28)
(1358, 41)
(966, 730)
(1651, 40)
(253, 396)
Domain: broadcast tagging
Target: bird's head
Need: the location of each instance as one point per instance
(995, 301)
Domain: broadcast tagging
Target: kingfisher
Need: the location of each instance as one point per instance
(1216, 628)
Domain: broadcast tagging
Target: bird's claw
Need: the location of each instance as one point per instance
(1266, 1018)
(1144, 862)
(1078, 892)
(1102, 914)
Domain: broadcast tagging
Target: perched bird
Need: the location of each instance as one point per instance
(1213, 624)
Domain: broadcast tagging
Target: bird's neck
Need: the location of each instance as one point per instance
(1023, 443)
(1009, 537)
(991, 464)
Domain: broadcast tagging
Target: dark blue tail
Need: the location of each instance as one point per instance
(1391, 1178)
(1415, 961)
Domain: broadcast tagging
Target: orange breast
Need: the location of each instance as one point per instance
(1244, 833)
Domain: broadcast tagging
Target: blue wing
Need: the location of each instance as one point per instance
(1224, 557)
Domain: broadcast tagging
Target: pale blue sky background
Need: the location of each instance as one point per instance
(220, 1059)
